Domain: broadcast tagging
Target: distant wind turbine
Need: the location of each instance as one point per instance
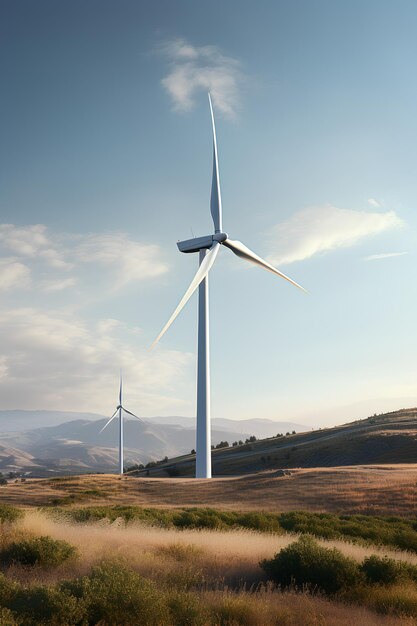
(119, 410)
(208, 248)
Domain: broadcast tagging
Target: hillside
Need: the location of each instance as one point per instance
(388, 438)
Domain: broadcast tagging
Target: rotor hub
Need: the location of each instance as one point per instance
(220, 237)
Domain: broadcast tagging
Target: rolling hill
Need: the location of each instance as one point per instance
(387, 439)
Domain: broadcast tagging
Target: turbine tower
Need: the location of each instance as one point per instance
(119, 410)
(208, 248)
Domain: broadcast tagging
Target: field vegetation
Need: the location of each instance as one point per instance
(389, 531)
(388, 490)
(115, 566)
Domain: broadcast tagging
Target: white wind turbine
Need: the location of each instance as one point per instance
(119, 410)
(208, 248)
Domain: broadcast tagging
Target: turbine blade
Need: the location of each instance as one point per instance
(243, 251)
(216, 199)
(120, 388)
(110, 420)
(133, 415)
(202, 272)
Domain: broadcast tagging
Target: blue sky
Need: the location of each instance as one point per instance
(105, 162)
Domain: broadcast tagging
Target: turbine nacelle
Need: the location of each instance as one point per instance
(201, 243)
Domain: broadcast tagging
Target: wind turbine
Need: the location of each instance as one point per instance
(208, 248)
(119, 410)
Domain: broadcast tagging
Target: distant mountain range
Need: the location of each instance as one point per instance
(39, 443)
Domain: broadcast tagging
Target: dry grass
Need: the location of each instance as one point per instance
(212, 556)
(211, 564)
(290, 609)
(382, 490)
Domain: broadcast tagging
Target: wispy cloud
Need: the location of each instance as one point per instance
(54, 360)
(13, 274)
(384, 255)
(374, 203)
(320, 229)
(56, 261)
(130, 260)
(33, 241)
(196, 69)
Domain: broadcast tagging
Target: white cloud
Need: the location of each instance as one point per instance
(56, 361)
(374, 203)
(196, 69)
(384, 255)
(320, 229)
(13, 274)
(50, 253)
(132, 260)
(32, 241)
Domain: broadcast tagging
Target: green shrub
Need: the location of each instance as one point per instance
(47, 606)
(391, 531)
(9, 514)
(199, 518)
(305, 562)
(363, 529)
(42, 551)
(112, 593)
(262, 522)
(387, 571)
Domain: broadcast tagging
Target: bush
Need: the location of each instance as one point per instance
(392, 531)
(387, 571)
(305, 562)
(47, 606)
(113, 594)
(42, 551)
(9, 514)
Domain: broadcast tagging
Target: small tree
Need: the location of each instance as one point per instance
(222, 444)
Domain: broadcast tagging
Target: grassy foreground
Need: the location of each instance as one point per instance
(116, 570)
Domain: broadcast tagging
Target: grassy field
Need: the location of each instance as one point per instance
(382, 490)
(255, 550)
(127, 574)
